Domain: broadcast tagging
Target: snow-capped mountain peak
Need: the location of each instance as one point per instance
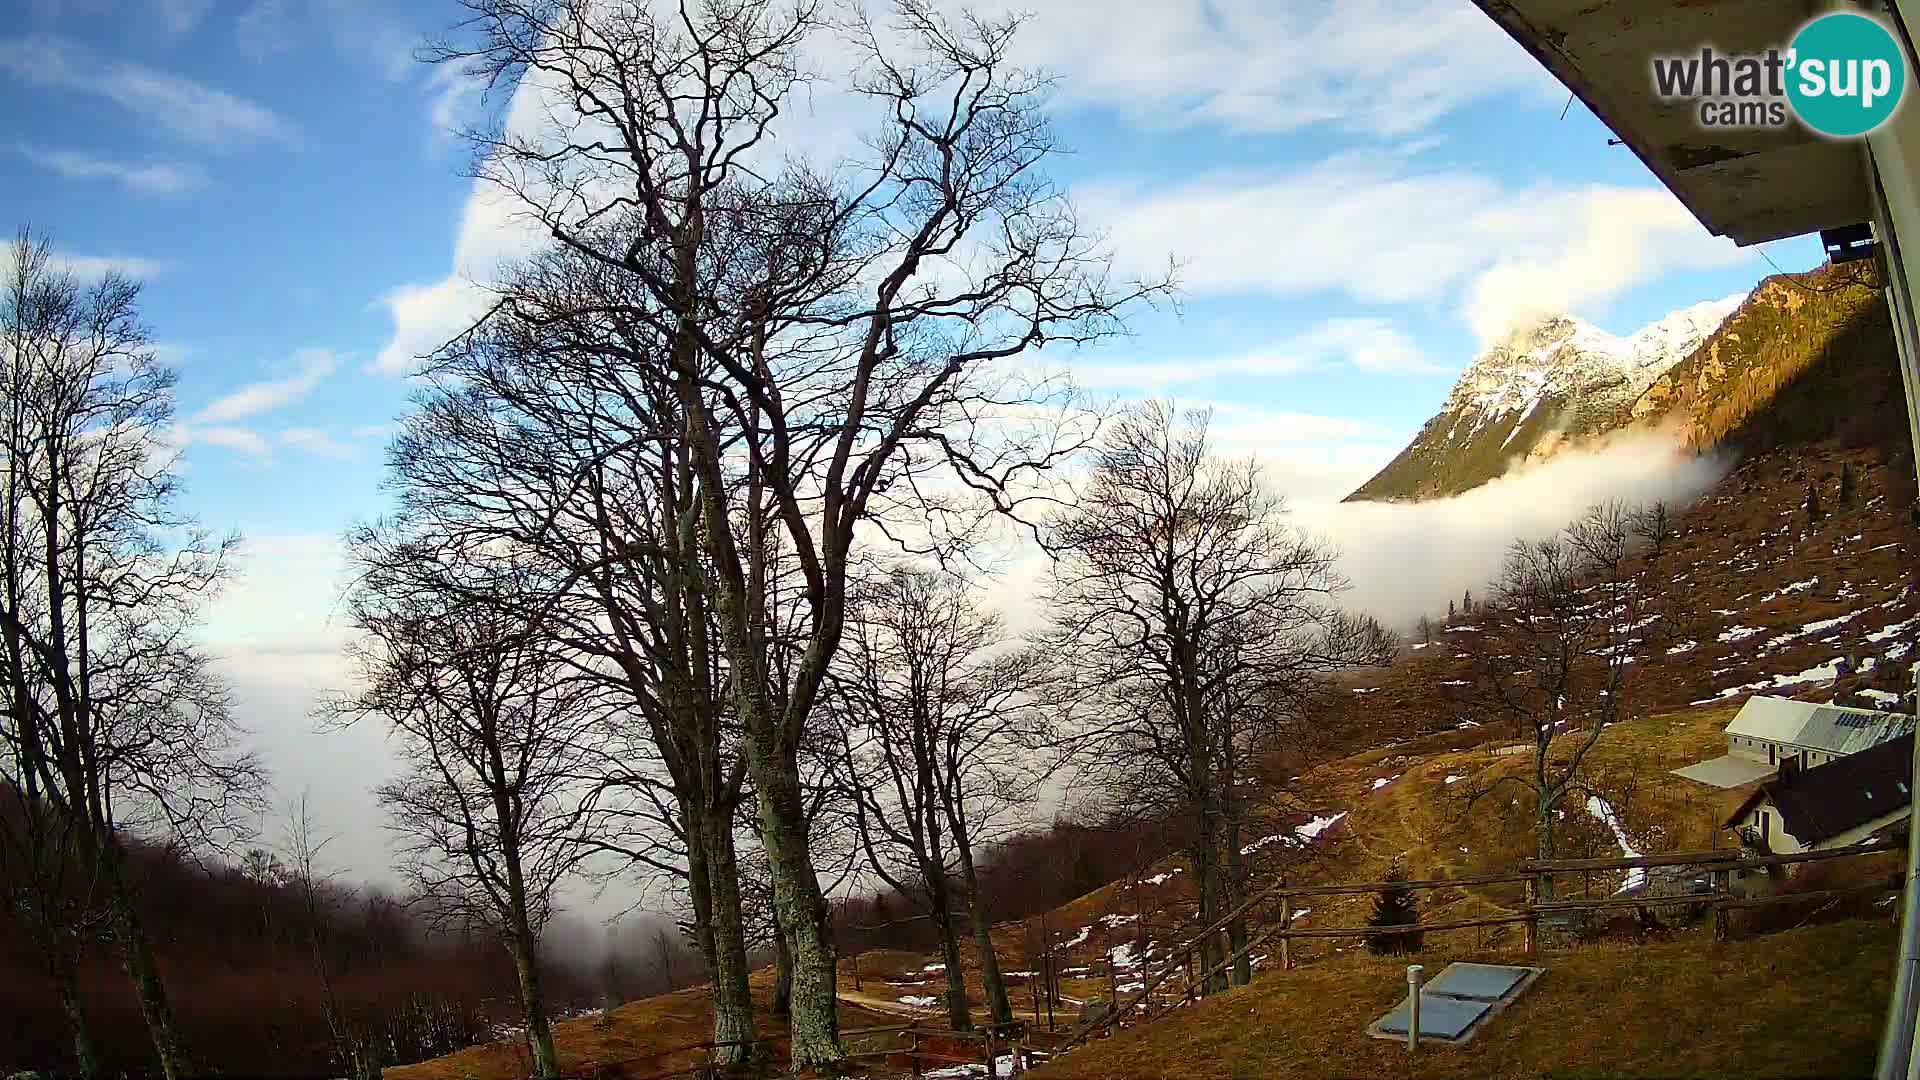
(1549, 381)
(1560, 355)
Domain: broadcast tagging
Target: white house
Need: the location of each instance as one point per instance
(1773, 730)
(1832, 805)
(1770, 731)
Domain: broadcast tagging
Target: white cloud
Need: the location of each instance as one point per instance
(317, 442)
(278, 637)
(199, 114)
(1364, 224)
(1365, 343)
(149, 178)
(1375, 67)
(89, 267)
(244, 440)
(311, 367)
(264, 30)
(362, 31)
(1386, 68)
(179, 16)
(1409, 559)
(1613, 239)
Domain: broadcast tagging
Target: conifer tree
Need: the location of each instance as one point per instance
(1395, 905)
(1846, 483)
(1814, 513)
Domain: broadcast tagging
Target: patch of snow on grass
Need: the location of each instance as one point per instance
(1789, 590)
(1599, 808)
(1384, 781)
(1884, 697)
(1161, 879)
(1262, 842)
(1740, 633)
(1078, 939)
(1886, 632)
(1683, 647)
(920, 1001)
(1317, 826)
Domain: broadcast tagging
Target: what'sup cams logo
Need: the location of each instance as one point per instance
(1842, 76)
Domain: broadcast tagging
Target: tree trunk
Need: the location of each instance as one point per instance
(959, 1008)
(144, 971)
(539, 1033)
(991, 979)
(727, 963)
(1206, 870)
(814, 1023)
(1236, 892)
(782, 970)
(1543, 844)
(67, 977)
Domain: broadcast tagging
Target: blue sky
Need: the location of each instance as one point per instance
(1358, 199)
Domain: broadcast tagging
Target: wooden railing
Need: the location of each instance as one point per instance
(1721, 862)
(919, 1047)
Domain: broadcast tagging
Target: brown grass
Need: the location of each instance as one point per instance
(628, 1042)
(1802, 1003)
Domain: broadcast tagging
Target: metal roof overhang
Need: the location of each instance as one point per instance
(1749, 185)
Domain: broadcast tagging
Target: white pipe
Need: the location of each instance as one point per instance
(1413, 1003)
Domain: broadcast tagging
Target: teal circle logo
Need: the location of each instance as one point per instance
(1846, 73)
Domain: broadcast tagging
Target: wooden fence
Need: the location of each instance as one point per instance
(1721, 863)
(919, 1047)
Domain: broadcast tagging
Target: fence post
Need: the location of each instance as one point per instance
(913, 1057)
(1113, 981)
(1533, 916)
(1015, 1051)
(1286, 939)
(1413, 1006)
(1722, 889)
(993, 1069)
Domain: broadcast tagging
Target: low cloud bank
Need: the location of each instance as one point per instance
(1406, 560)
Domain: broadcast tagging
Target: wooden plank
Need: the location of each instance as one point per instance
(1548, 906)
(1790, 897)
(1372, 931)
(1728, 858)
(1671, 858)
(1376, 886)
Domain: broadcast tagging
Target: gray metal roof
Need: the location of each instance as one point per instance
(1837, 729)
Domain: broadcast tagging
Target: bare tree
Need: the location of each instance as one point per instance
(944, 739)
(546, 441)
(302, 847)
(833, 336)
(1559, 636)
(1183, 601)
(115, 723)
(487, 723)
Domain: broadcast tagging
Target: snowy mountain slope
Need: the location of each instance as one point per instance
(1547, 385)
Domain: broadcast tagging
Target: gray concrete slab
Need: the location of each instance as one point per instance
(1727, 771)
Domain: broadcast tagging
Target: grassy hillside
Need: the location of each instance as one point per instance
(1805, 1002)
